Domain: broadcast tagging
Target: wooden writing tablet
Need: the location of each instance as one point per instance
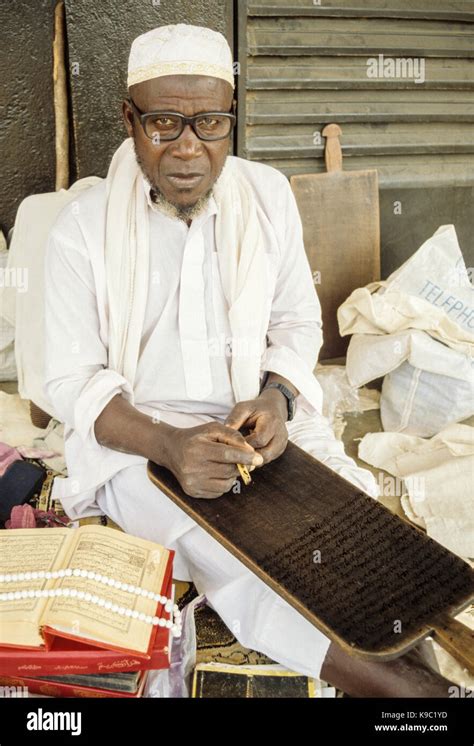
(370, 581)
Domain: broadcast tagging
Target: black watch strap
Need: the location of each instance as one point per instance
(290, 397)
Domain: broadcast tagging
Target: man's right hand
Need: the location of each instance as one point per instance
(203, 458)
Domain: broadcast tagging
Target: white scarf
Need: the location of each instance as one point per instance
(242, 266)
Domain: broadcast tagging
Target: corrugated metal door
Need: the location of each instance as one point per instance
(305, 64)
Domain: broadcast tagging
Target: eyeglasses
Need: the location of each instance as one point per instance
(169, 125)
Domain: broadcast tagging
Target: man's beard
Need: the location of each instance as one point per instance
(181, 212)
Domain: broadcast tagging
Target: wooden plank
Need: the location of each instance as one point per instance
(340, 216)
(351, 73)
(366, 132)
(360, 139)
(424, 9)
(415, 95)
(351, 49)
(304, 27)
(340, 558)
(344, 45)
(416, 170)
(430, 114)
(347, 6)
(284, 113)
(355, 84)
(323, 64)
(326, 11)
(350, 36)
(339, 63)
(277, 149)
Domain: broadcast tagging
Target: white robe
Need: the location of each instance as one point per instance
(185, 298)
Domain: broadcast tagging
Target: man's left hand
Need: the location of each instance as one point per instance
(266, 417)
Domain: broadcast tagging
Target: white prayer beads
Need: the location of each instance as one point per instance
(174, 626)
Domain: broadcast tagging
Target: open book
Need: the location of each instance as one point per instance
(34, 622)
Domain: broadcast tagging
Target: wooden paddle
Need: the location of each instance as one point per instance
(340, 215)
(370, 581)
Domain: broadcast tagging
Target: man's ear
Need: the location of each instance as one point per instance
(127, 114)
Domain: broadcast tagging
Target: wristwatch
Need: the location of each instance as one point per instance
(290, 397)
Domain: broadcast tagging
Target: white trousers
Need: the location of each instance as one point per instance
(257, 616)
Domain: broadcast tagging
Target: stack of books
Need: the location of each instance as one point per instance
(85, 612)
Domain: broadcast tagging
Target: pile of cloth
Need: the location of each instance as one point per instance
(21, 439)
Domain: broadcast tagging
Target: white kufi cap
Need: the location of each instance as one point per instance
(181, 49)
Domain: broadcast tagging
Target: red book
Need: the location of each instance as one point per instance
(56, 689)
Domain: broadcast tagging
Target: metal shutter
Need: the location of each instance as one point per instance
(304, 65)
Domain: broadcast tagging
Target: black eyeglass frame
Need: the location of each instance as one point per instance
(143, 116)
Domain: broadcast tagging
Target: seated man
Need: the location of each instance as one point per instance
(180, 307)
